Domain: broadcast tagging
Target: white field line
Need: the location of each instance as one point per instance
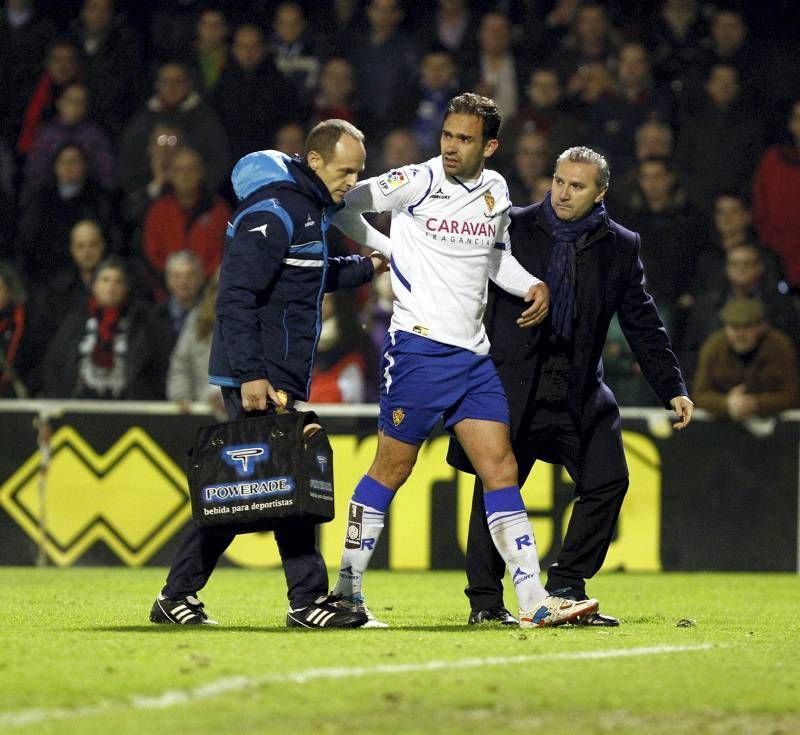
(174, 697)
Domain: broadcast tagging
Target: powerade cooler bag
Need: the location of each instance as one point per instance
(246, 475)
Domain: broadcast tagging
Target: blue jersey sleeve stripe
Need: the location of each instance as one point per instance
(427, 191)
(499, 246)
(268, 205)
(400, 276)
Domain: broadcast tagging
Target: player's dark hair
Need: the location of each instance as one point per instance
(325, 135)
(477, 105)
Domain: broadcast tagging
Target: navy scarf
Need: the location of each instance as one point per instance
(560, 278)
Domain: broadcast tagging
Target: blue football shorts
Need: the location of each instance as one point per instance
(422, 380)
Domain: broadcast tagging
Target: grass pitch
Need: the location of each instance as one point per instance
(78, 656)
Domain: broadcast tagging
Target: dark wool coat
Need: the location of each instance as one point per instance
(609, 280)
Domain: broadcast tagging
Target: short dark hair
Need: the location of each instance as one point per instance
(325, 135)
(479, 106)
(117, 263)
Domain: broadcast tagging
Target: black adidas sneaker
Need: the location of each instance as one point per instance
(325, 612)
(185, 611)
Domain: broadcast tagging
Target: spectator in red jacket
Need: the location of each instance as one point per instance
(186, 218)
(777, 185)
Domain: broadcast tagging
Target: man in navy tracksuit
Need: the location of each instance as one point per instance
(275, 269)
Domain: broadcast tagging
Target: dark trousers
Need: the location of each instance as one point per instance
(550, 435)
(200, 548)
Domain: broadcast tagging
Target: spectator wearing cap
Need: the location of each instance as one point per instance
(744, 279)
(747, 368)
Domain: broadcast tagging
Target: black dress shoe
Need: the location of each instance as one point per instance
(595, 619)
(492, 615)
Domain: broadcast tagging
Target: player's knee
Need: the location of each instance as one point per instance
(391, 473)
(500, 470)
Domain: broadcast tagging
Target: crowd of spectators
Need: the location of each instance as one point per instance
(120, 123)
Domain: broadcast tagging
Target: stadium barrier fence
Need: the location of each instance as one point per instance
(103, 483)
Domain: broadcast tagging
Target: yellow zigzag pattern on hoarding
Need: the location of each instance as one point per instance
(133, 498)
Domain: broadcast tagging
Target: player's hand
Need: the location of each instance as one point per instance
(379, 263)
(539, 298)
(684, 408)
(256, 393)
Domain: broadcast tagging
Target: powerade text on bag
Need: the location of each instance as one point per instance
(245, 475)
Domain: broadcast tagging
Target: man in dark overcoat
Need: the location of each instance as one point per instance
(561, 410)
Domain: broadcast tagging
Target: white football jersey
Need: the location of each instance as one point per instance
(448, 237)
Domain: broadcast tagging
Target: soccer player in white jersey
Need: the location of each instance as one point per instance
(449, 235)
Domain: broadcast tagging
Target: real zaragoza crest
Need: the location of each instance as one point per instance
(489, 199)
(397, 416)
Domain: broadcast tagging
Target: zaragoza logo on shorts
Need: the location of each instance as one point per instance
(397, 416)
